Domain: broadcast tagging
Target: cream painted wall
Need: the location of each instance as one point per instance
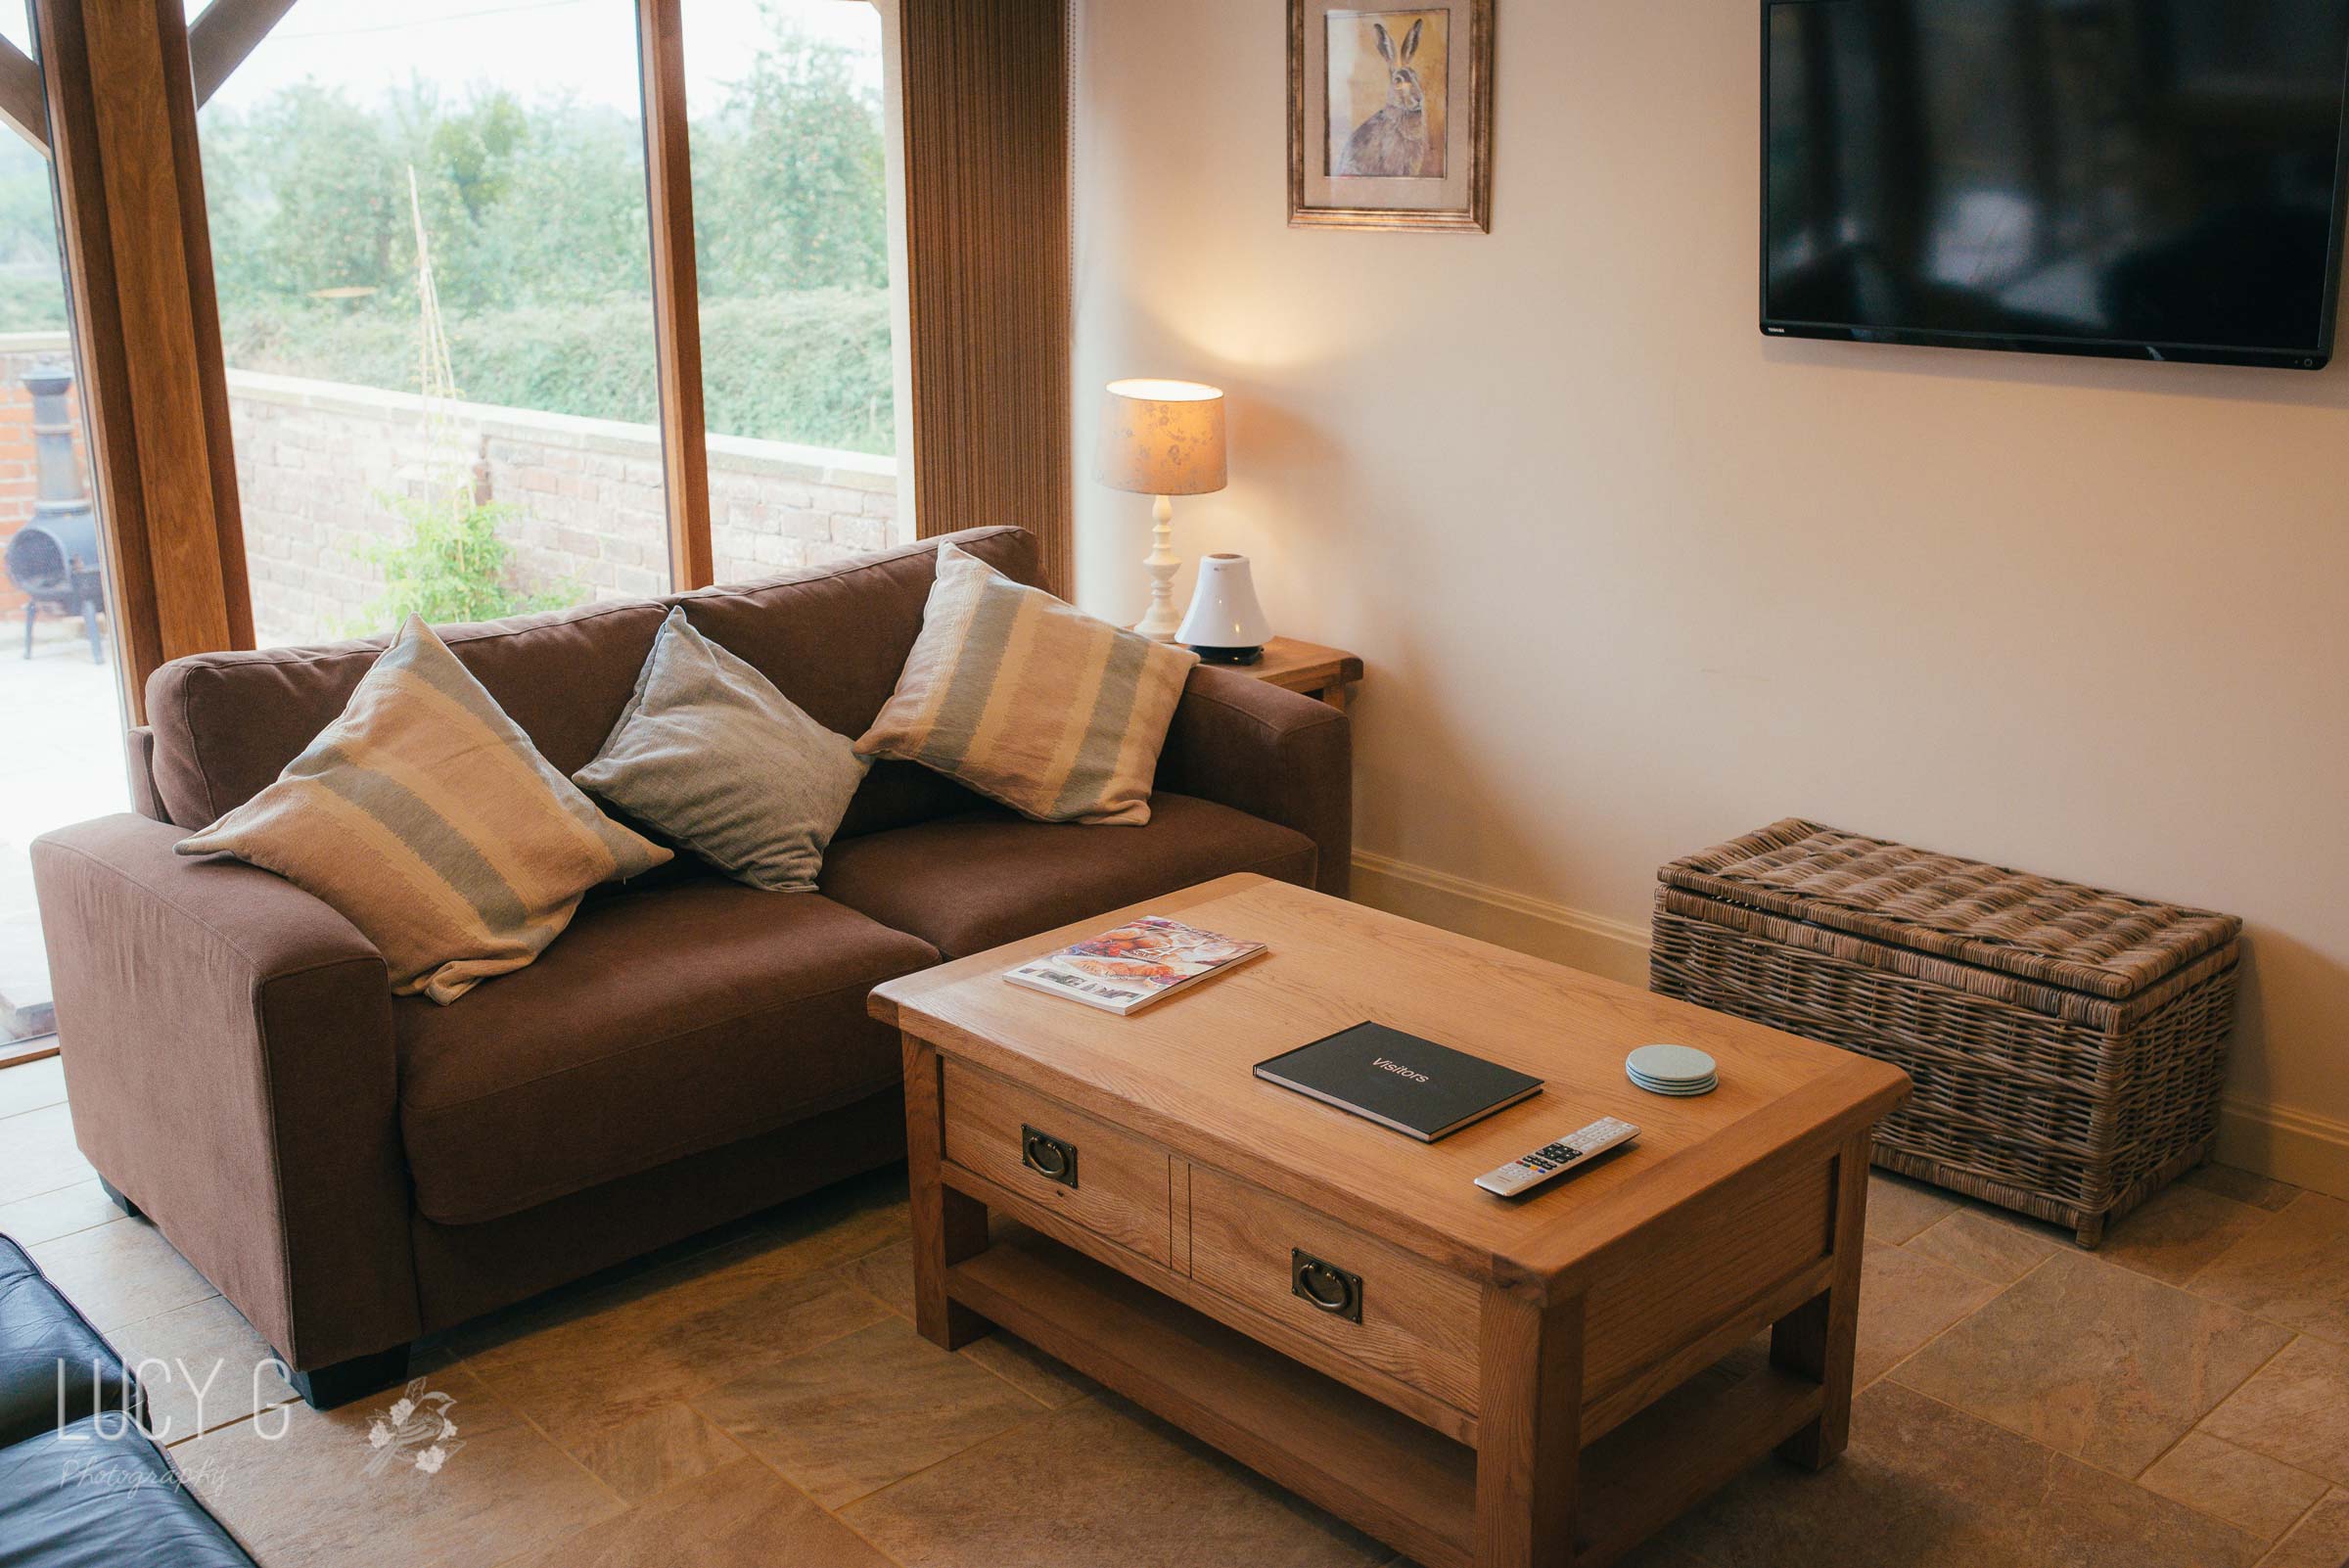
(1631, 578)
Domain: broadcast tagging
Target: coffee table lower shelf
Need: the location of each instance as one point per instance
(1404, 1483)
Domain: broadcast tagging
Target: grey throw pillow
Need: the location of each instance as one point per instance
(709, 753)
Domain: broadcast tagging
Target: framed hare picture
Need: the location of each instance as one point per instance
(1390, 115)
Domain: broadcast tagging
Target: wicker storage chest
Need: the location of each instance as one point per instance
(2067, 1043)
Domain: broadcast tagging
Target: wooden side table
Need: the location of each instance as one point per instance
(1306, 666)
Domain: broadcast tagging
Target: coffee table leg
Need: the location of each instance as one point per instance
(1528, 1431)
(948, 1225)
(1816, 1338)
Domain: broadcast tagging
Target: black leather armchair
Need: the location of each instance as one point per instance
(80, 1484)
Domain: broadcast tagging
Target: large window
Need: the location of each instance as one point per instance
(434, 261)
(791, 224)
(791, 245)
(431, 246)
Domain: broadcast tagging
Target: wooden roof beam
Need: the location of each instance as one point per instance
(228, 30)
(20, 97)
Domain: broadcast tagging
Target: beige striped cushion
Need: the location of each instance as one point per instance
(428, 819)
(1031, 702)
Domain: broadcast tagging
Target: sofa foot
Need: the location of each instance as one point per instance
(113, 1195)
(322, 1388)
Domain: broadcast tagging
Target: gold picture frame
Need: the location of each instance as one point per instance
(1377, 139)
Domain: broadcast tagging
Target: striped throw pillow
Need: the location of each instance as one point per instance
(426, 817)
(1030, 701)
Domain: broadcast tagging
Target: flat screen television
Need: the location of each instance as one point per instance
(2154, 179)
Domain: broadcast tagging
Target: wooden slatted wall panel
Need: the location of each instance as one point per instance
(986, 217)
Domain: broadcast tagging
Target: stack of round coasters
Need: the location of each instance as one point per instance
(1672, 1070)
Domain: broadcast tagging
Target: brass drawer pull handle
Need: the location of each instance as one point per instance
(1054, 1159)
(1325, 1285)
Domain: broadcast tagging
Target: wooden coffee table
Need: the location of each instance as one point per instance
(1471, 1381)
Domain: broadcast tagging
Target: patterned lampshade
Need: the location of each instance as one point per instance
(1162, 437)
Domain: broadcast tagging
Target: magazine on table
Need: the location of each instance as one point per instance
(1125, 970)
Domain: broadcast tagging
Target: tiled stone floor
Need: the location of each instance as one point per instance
(2178, 1400)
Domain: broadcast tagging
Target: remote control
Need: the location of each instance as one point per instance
(1522, 1175)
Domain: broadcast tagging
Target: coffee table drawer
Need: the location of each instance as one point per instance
(1371, 1302)
(1086, 1172)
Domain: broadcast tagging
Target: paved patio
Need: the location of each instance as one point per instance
(62, 762)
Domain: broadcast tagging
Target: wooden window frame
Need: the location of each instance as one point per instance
(21, 101)
(676, 294)
(138, 259)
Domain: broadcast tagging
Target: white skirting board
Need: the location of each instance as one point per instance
(2275, 1141)
(1594, 944)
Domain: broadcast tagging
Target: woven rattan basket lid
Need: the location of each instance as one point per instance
(2032, 927)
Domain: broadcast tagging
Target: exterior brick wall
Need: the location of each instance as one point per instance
(22, 354)
(315, 461)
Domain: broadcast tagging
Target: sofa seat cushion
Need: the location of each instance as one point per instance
(974, 881)
(668, 1021)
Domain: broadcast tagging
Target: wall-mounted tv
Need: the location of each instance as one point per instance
(2153, 179)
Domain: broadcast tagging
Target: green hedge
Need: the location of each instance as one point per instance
(31, 300)
(812, 367)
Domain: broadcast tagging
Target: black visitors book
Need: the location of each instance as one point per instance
(1400, 1080)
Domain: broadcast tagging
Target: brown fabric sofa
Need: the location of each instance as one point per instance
(353, 1169)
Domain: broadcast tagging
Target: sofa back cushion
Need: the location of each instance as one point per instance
(833, 639)
(227, 724)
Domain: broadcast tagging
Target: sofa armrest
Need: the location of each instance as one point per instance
(1270, 753)
(138, 758)
(229, 1059)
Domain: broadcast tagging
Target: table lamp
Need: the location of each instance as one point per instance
(1162, 439)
